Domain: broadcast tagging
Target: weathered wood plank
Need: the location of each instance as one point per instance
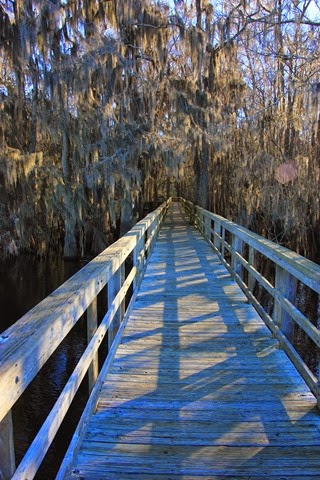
(92, 325)
(286, 284)
(114, 286)
(7, 454)
(293, 411)
(215, 460)
(205, 434)
(92, 474)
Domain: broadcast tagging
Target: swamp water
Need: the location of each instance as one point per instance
(24, 282)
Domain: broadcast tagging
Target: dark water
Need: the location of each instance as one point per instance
(24, 282)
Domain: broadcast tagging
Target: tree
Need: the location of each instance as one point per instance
(105, 103)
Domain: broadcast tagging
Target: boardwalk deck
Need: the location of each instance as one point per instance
(198, 387)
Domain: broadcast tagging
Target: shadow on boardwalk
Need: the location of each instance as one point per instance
(198, 388)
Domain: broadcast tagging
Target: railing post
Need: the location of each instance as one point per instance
(203, 220)
(152, 235)
(192, 214)
(237, 246)
(196, 218)
(200, 219)
(286, 284)
(251, 260)
(216, 240)
(114, 286)
(223, 236)
(92, 325)
(206, 226)
(7, 457)
(138, 259)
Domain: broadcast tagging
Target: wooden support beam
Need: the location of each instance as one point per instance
(192, 213)
(138, 260)
(7, 456)
(216, 239)
(114, 286)
(223, 236)
(251, 259)
(207, 227)
(237, 246)
(287, 285)
(92, 325)
(151, 237)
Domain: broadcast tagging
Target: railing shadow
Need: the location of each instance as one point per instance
(205, 358)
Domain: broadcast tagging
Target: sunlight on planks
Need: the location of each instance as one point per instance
(198, 387)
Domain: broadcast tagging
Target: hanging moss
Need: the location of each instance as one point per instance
(120, 96)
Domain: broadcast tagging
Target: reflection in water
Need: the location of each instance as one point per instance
(24, 282)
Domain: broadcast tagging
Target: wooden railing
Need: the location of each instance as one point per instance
(27, 345)
(237, 249)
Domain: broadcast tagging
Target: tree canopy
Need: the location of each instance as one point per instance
(108, 105)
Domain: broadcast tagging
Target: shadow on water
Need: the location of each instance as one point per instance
(24, 282)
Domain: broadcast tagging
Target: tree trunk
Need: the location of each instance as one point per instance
(201, 171)
(126, 212)
(70, 249)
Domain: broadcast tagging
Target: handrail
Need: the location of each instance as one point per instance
(27, 345)
(289, 268)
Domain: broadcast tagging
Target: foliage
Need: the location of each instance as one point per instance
(108, 105)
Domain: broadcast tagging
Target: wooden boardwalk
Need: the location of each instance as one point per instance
(198, 388)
